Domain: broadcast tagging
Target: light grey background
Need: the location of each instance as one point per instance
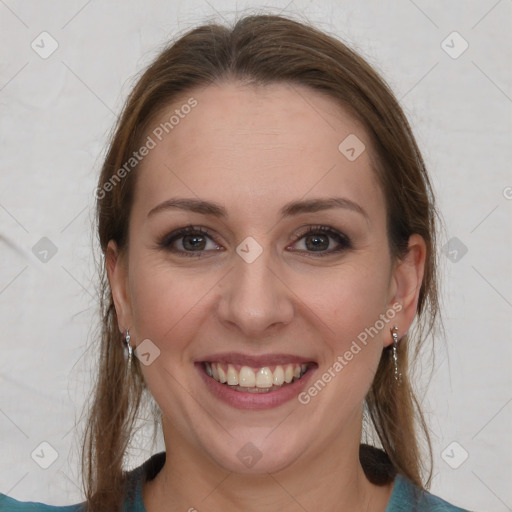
(56, 114)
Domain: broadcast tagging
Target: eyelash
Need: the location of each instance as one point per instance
(343, 240)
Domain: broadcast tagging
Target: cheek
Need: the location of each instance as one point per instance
(347, 299)
(348, 303)
(349, 320)
(164, 301)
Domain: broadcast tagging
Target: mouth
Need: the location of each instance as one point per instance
(255, 379)
(255, 382)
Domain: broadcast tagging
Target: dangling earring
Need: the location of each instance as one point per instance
(130, 350)
(394, 334)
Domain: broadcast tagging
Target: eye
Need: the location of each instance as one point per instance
(189, 241)
(192, 241)
(318, 239)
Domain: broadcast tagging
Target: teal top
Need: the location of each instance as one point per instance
(406, 497)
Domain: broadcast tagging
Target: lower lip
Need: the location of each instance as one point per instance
(242, 400)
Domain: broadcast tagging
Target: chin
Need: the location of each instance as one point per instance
(256, 453)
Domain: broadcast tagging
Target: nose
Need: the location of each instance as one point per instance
(255, 298)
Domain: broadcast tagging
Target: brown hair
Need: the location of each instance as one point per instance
(265, 49)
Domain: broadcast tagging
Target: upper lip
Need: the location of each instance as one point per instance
(255, 361)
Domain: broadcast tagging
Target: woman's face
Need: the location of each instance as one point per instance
(286, 271)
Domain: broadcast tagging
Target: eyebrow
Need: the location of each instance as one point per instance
(293, 208)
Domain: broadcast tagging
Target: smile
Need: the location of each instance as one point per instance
(255, 379)
(255, 382)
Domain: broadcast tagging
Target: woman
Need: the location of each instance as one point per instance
(268, 229)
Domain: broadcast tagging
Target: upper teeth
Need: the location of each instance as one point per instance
(246, 377)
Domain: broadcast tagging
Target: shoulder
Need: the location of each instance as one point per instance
(133, 498)
(11, 505)
(407, 497)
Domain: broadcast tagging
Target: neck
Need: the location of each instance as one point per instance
(331, 480)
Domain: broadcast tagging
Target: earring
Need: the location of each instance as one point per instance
(130, 350)
(394, 334)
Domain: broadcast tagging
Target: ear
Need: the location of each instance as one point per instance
(117, 272)
(406, 284)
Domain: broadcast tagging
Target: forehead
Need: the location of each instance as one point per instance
(262, 145)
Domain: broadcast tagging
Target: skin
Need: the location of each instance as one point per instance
(252, 150)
